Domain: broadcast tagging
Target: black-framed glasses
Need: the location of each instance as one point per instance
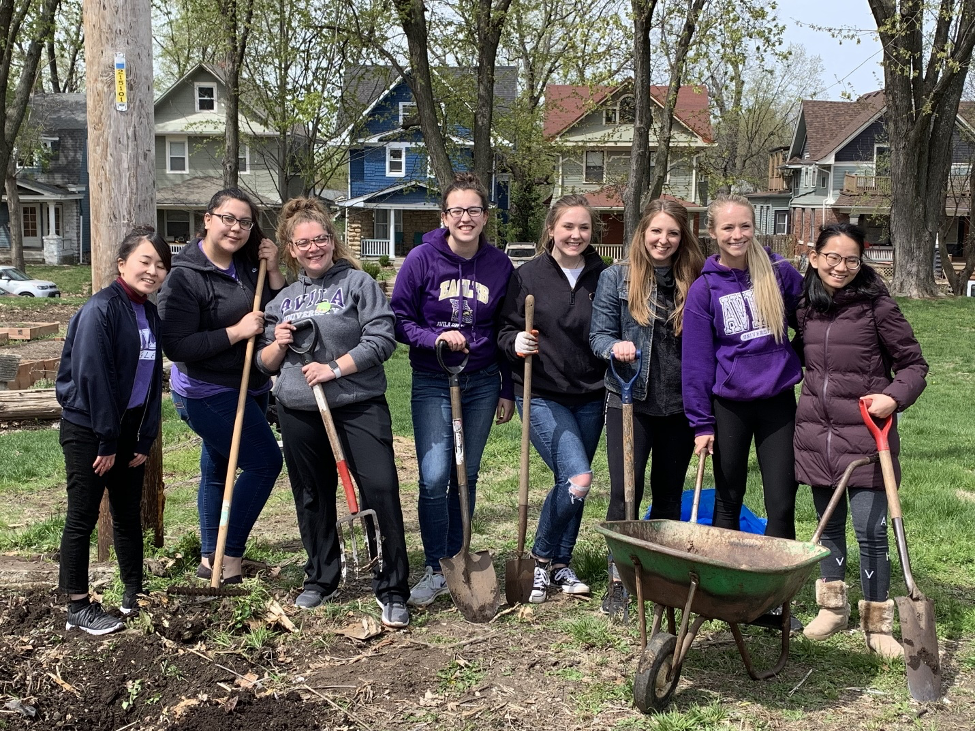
(852, 263)
(472, 211)
(320, 241)
(228, 220)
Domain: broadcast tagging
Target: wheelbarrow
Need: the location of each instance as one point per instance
(711, 572)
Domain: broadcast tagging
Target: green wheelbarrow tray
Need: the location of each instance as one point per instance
(741, 575)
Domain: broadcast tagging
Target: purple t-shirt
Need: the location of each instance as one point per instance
(147, 358)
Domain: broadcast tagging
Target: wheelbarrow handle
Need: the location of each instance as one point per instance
(839, 493)
(881, 434)
(626, 386)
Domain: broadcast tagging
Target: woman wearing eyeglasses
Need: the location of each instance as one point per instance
(451, 289)
(206, 309)
(855, 339)
(355, 328)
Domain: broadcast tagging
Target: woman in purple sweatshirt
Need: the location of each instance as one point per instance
(451, 289)
(738, 367)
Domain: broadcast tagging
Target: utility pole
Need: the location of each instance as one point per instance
(121, 151)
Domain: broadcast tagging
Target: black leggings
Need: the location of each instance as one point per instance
(868, 517)
(771, 423)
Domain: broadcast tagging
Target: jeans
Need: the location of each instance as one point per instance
(85, 489)
(438, 509)
(566, 437)
(259, 460)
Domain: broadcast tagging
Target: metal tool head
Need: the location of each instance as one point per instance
(371, 560)
(305, 337)
(474, 588)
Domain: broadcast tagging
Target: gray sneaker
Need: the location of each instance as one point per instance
(428, 589)
(130, 602)
(312, 598)
(93, 620)
(394, 614)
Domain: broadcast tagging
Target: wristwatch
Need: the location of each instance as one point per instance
(334, 367)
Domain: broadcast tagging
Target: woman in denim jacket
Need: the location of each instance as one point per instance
(639, 306)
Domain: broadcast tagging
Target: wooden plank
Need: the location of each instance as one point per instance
(4, 338)
(31, 330)
(38, 403)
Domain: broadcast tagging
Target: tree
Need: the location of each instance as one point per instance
(237, 16)
(929, 47)
(65, 50)
(960, 203)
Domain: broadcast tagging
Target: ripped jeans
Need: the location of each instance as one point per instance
(566, 437)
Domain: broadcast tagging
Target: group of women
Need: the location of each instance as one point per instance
(705, 341)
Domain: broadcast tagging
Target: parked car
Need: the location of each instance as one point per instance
(520, 252)
(16, 282)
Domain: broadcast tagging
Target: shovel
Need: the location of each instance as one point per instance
(470, 577)
(304, 339)
(519, 570)
(916, 616)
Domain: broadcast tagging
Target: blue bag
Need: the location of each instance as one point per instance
(749, 521)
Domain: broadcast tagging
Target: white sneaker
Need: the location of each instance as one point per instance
(568, 582)
(541, 581)
(428, 589)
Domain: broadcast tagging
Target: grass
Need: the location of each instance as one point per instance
(73, 281)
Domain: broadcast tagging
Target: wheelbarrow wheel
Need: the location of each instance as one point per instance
(654, 681)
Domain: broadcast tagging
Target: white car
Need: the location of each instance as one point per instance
(16, 282)
(521, 252)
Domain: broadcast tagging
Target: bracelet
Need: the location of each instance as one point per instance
(334, 367)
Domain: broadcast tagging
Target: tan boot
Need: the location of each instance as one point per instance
(876, 621)
(832, 597)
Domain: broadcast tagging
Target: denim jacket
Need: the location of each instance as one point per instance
(612, 322)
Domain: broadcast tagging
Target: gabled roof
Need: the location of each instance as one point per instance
(828, 125)
(55, 112)
(566, 105)
(364, 201)
(210, 68)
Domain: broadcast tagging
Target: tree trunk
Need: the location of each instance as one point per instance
(634, 189)
(16, 215)
(32, 403)
(236, 32)
(489, 22)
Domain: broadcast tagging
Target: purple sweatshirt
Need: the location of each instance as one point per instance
(437, 290)
(724, 353)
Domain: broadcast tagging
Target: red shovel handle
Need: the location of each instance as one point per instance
(881, 435)
(347, 480)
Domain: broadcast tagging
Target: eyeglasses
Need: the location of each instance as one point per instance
(473, 212)
(852, 263)
(229, 220)
(320, 241)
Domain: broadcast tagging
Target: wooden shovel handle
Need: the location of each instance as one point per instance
(885, 457)
(527, 396)
(217, 565)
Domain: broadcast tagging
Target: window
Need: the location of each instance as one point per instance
(176, 155)
(206, 95)
(29, 214)
(407, 109)
(625, 113)
(396, 161)
(610, 115)
(780, 222)
(177, 225)
(882, 160)
(381, 222)
(243, 159)
(593, 167)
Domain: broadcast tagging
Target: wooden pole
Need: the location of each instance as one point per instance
(121, 149)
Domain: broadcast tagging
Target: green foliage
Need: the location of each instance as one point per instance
(371, 268)
(384, 260)
(460, 676)
(608, 260)
(73, 280)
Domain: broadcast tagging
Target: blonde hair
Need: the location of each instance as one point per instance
(766, 291)
(686, 265)
(308, 210)
(556, 210)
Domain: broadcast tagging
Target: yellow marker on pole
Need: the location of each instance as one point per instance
(121, 94)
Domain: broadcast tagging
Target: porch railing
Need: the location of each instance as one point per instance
(858, 184)
(615, 251)
(374, 248)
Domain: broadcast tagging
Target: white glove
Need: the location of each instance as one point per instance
(526, 343)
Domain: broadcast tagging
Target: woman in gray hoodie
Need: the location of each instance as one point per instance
(355, 336)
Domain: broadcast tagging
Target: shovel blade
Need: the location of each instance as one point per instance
(474, 588)
(519, 579)
(918, 623)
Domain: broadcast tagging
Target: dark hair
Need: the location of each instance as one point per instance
(250, 248)
(465, 181)
(145, 233)
(866, 281)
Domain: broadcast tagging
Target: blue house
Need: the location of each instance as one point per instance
(393, 197)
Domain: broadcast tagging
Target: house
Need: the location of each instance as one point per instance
(393, 197)
(52, 184)
(835, 170)
(592, 127)
(189, 129)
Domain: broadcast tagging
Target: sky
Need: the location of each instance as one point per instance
(850, 67)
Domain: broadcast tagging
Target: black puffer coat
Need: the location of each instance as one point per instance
(850, 352)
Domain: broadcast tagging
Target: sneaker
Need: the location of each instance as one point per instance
(130, 602)
(568, 582)
(311, 598)
(615, 601)
(541, 582)
(428, 589)
(93, 620)
(394, 614)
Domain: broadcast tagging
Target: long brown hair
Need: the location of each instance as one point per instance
(308, 210)
(557, 209)
(686, 265)
(766, 291)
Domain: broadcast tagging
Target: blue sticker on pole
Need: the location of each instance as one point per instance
(121, 92)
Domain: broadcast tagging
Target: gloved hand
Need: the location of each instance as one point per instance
(527, 343)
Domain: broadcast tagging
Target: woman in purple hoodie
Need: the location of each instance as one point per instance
(738, 367)
(450, 289)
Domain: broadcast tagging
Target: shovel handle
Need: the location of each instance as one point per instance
(699, 475)
(527, 397)
(349, 487)
(881, 434)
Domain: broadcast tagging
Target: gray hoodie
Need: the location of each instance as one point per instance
(352, 316)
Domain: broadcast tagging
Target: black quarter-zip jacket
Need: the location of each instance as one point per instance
(565, 370)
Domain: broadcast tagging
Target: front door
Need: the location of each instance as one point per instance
(31, 213)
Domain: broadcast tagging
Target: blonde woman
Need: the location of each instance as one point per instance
(640, 305)
(739, 368)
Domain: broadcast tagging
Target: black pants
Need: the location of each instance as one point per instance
(85, 489)
(771, 423)
(669, 441)
(367, 440)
